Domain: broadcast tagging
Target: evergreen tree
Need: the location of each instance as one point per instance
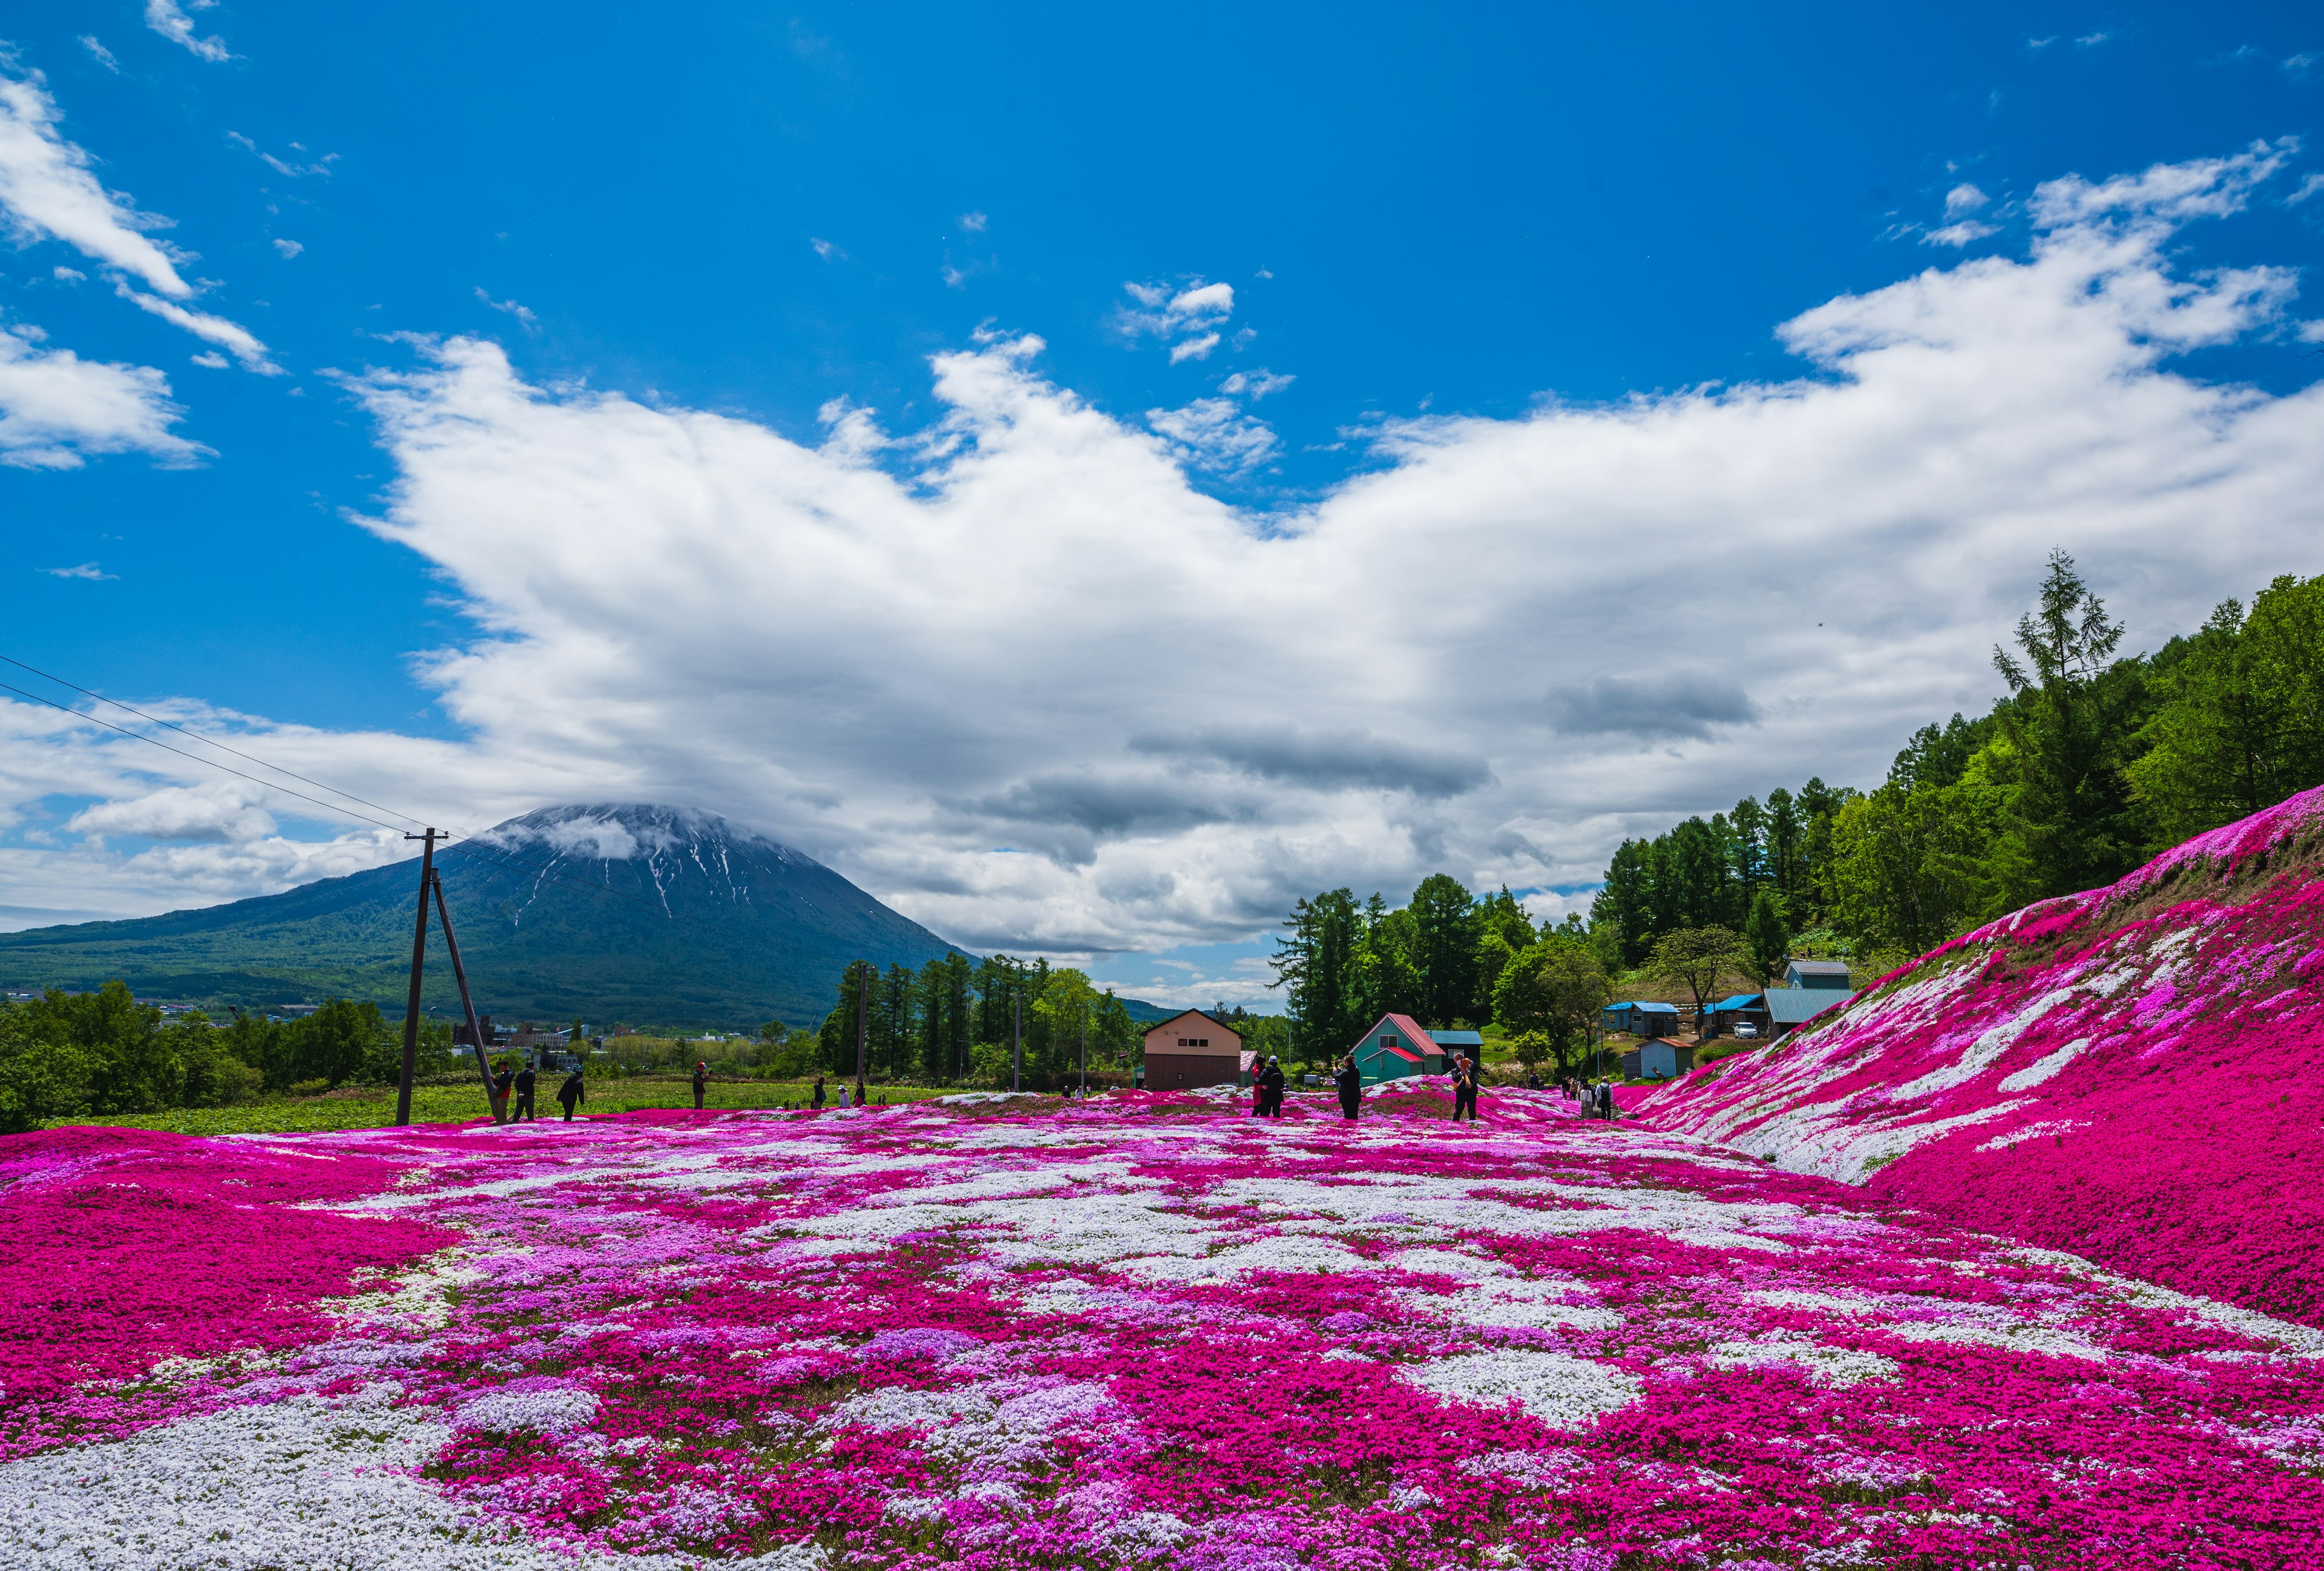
(1444, 947)
(1767, 939)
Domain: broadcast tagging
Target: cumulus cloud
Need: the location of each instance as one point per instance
(1964, 197)
(1019, 674)
(220, 812)
(1214, 434)
(1190, 314)
(169, 19)
(1960, 233)
(1255, 384)
(289, 248)
(56, 408)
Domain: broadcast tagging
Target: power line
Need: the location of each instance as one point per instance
(206, 741)
(470, 841)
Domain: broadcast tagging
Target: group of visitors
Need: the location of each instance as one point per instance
(1597, 1098)
(521, 1083)
(1266, 1082)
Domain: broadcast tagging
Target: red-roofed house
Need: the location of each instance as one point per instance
(1397, 1046)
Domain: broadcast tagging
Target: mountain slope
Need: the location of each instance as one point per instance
(2128, 1073)
(701, 923)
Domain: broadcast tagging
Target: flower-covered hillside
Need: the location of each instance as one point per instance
(1136, 1333)
(2131, 1073)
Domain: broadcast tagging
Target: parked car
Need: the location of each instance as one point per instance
(1745, 1030)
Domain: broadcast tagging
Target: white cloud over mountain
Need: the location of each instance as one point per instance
(1022, 678)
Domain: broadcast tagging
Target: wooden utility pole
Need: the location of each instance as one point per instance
(412, 1000)
(468, 1007)
(863, 1023)
(1016, 1041)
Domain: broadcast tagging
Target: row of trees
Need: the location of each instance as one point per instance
(1440, 958)
(952, 1019)
(65, 1056)
(2091, 762)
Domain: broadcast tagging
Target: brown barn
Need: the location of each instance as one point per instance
(1193, 1049)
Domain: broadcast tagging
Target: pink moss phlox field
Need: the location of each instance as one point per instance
(2130, 1074)
(154, 1247)
(1149, 1331)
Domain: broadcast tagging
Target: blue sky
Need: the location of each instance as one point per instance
(1436, 234)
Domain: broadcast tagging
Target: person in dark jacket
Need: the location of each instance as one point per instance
(502, 1078)
(819, 1092)
(571, 1094)
(701, 1084)
(1464, 1089)
(524, 1105)
(1273, 1079)
(1351, 1081)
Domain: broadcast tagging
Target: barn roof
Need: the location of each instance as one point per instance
(1741, 1001)
(1795, 1006)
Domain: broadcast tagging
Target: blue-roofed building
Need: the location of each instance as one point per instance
(1791, 1006)
(1743, 1008)
(1456, 1044)
(1641, 1018)
(1820, 975)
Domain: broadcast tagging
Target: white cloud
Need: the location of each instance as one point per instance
(1027, 628)
(1255, 384)
(974, 223)
(212, 360)
(2309, 186)
(283, 166)
(827, 250)
(2300, 65)
(1214, 434)
(89, 570)
(1186, 313)
(509, 308)
(68, 274)
(100, 54)
(1964, 197)
(2091, 39)
(231, 337)
(55, 408)
(221, 811)
(289, 248)
(170, 19)
(1961, 233)
(49, 193)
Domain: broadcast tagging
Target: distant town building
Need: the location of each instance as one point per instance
(1396, 1047)
(1191, 1049)
(1817, 974)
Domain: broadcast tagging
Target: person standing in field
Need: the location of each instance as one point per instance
(1273, 1080)
(503, 1077)
(842, 1096)
(862, 1100)
(1464, 1089)
(1351, 1081)
(571, 1094)
(818, 1101)
(524, 1105)
(701, 1082)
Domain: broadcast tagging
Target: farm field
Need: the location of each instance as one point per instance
(1140, 1331)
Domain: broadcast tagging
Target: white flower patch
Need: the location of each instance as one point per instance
(1537, 1469)
(1836, 1367)
(551, 1410)
(1514, 1303)
(2298, 1340)
(992, 1422)
(1447, 1262)
(2043, 1068)
(1564, 1393)
(421, 1299)
(1294, 1252)
(303, 1481)
(2033, 1131)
